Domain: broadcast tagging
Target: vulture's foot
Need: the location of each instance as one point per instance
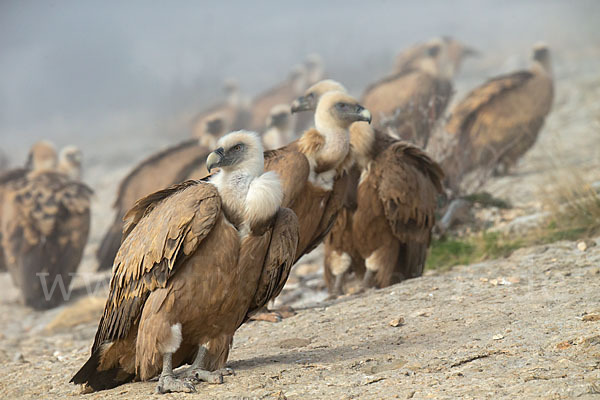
(273, 315)
(170, 384)
(338, 288)
(368, 281)
(201, 375)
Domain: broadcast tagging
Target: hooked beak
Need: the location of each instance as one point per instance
(364, 115)
(215, 158)
(300, 104)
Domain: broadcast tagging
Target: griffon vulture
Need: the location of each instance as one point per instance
(455, 53)
(167, 167)
(280, 127)
(45, 225)
(234, 111)
(314, 178)
(497, 122)
(388, 209)
(42, 155)
(69, 162)
(284, 93)
(408, 103)
(196, 259)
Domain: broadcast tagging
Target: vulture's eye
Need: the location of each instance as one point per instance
(343, 106)
(310, 96)
(237, 147)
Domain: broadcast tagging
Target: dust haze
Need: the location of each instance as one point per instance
(121, 79)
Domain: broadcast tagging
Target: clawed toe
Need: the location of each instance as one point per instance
(170, 384)
(201, 375)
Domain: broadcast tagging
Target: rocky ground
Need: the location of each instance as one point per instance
(527, 326)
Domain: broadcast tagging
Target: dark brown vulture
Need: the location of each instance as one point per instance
(314, 179)
(280, 127)
(159, 171)
(196, 259)
(394, 185)
(43, 155)
(496, 123)
(234, 112)
(396, 202)
(408, 103)
(45, 226)
(283, 93)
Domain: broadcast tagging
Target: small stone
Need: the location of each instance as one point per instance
(397, 322)
(591, 317)
(582, 246)
(498, 337)
(563, 345)
(18, 358)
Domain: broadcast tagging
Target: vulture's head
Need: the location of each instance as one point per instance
(314, 68)
(230, 86)
(42, 156)
(70, 161)
(279, 117)
(213, 127)
(308, 101)
(541, 54)
(238, 151)
(339, 110)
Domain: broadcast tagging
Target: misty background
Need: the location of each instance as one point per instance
(121, 79)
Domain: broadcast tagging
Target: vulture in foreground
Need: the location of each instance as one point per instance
(283, 93)
(159, 171)
(196, 260)
(383, 231)
(313, 173)
(408, 103)
(280, 127)
(233, 112)
(496, 123)
(43, 154)
(455, 52)
(45, 226)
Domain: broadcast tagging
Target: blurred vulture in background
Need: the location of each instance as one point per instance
(283, 93)
(3, 161)
(45, 154)
(313, 174)
(280, 127)
(455, 53)
(315, 73)
(496, 123)
(384, 229)
(233, 112)
(69, 162)
(408, 103)
(159, 171)
(197, 259)
(45, 226)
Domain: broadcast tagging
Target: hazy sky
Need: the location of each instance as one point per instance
(88, 71)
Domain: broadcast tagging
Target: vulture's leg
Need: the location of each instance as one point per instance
(340, 264)
(457, 212)
(381, 266)
(196, 371)
(167, 382)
